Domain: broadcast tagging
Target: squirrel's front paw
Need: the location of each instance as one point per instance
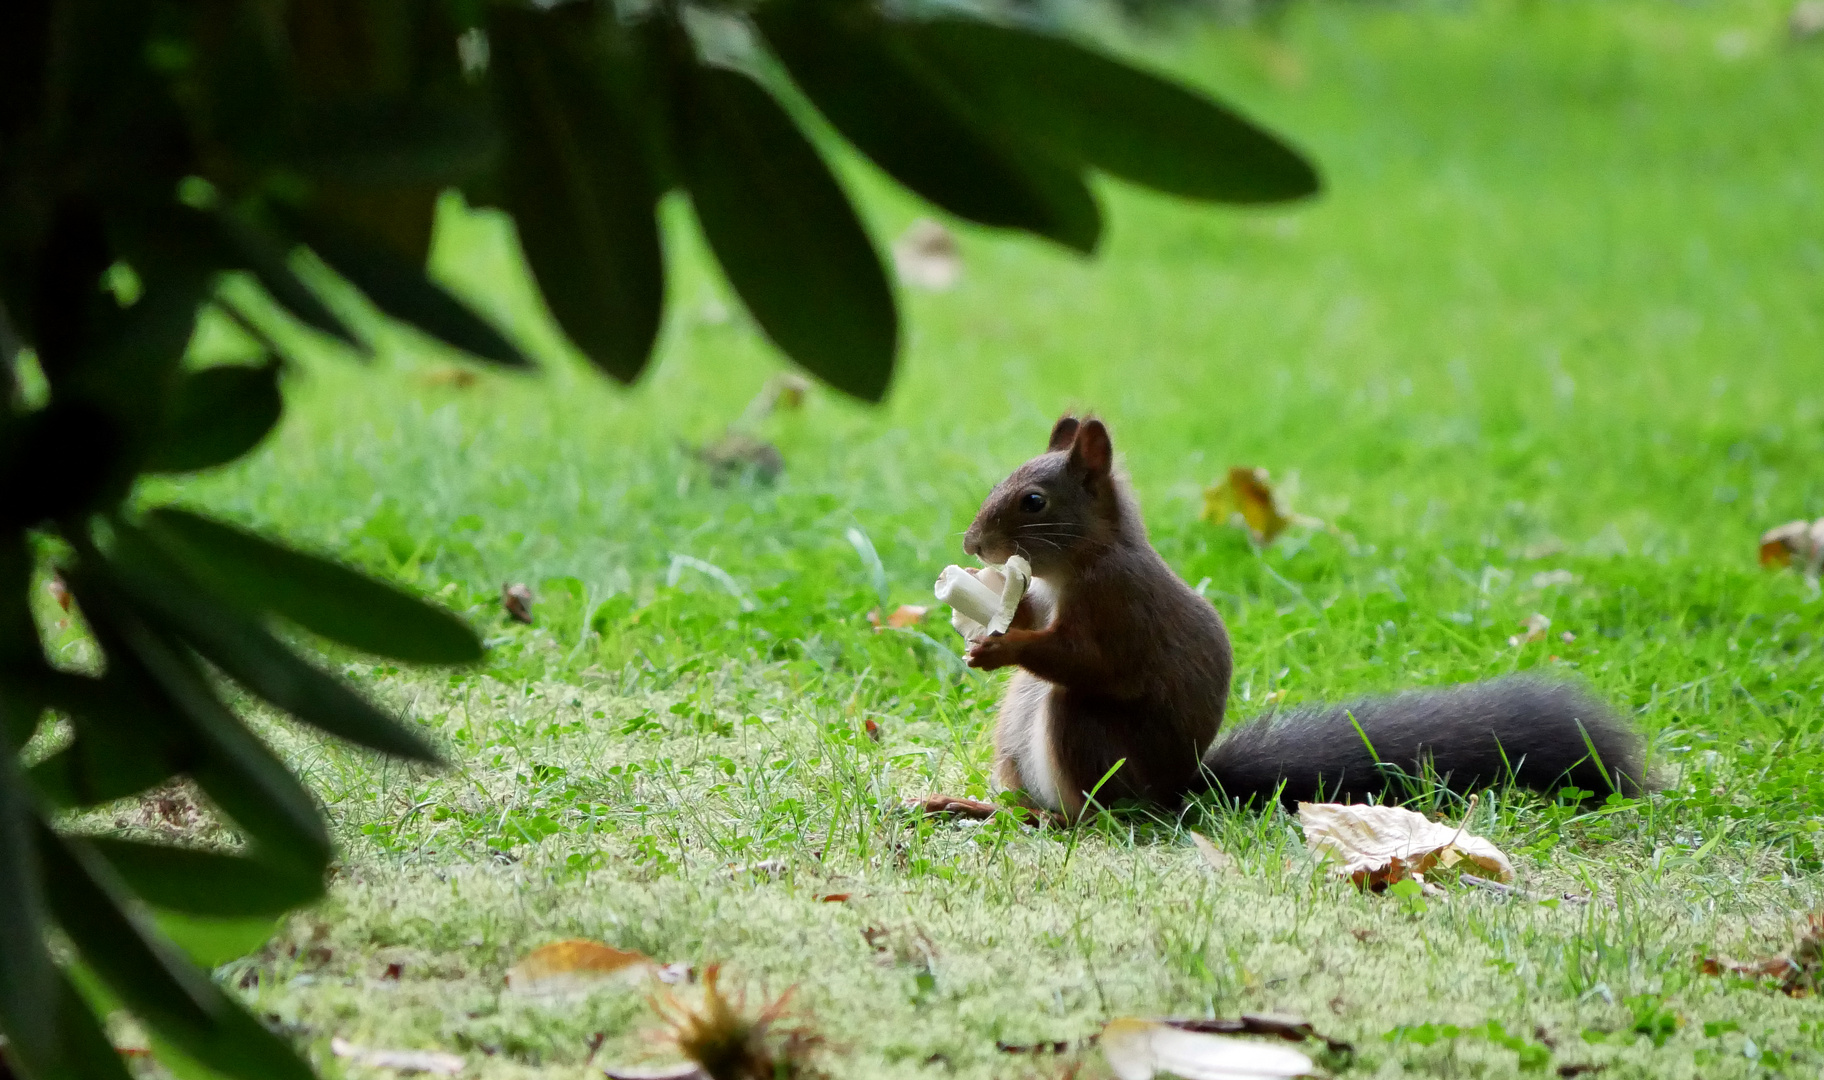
(991, 653)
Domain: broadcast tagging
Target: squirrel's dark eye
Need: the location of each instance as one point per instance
(1032, 502)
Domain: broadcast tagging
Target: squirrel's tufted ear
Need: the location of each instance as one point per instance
(1091, 451)
(1063, 433)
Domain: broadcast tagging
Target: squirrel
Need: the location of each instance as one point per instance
(1121, 663)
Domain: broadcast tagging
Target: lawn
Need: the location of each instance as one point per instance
(1548, 344)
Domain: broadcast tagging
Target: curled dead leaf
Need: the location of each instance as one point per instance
(1800, 970)
(435, 1062)
(903, 616)
(1800, 540)
(926, 256)
(1139, 1049)
(1533, 629)
(578, 966)
(1213, 857)
(907, 615)
(517, 599)
(1375, 846)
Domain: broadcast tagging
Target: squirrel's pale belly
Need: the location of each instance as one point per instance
(1024, 738)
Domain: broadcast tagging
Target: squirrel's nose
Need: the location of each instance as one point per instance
(972, 542)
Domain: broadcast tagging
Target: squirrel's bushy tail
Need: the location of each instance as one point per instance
(1534, 733)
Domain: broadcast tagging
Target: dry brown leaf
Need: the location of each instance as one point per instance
(1375, 846)
(1767, 967)
(1214, 857)
(1801, 540)
(1534, 627)
(926, 256)
(907, 615)
(1139, 1049)
(1247, 494)
(453, 377)
(517, 599)
(436, 1062)
(903, 616)
(1800, 971)
(577, 966)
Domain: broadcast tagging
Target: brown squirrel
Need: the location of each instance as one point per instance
(1121, 662)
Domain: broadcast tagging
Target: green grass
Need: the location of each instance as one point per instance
(1549, 343)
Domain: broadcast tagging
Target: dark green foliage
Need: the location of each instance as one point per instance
(577, 183)
(787, 237)
(149, 151)
(400, 287)
(865, 76)
(1086, 108)
(317, 594)
(205, 882)
(216, 416)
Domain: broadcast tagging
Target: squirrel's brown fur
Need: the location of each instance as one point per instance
(1121, 662)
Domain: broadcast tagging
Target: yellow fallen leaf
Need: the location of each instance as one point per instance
(577, 966)
(1247, 494)
(1378, 845)
(1138, 1049)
